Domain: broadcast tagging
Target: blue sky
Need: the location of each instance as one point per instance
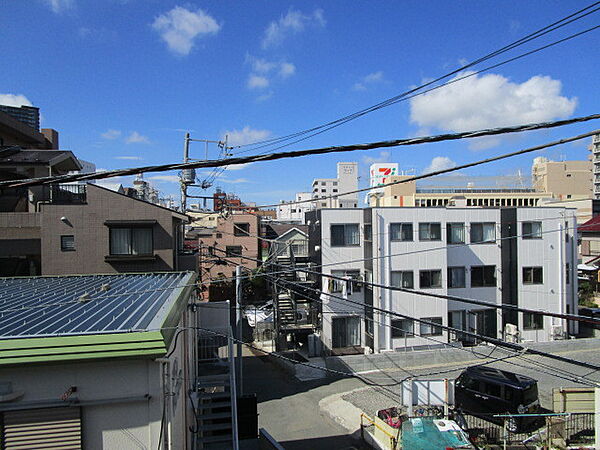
(122, 79)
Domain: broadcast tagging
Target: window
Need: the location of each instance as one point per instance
(241, 229)
(67, 243)
(532, 230)
(345, 235)
(323, 190)
(455, 233)
(233, 250)
(401, 231)
(403, 279)
(322, 183)
(456, 277)
(219, 235)
(335, 183)
(368, 232)
(492, 389)
(430, 330)
(430, 279)
(323, 205)
(483, 232)
(131, 241)
(345, 331)
(335, 190)
(430, 231)
(483, 276)
(533, 321)
(402, 328)
(568, 274)
(355, 279)
(533, 275)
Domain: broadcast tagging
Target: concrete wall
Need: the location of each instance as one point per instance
(86, 224)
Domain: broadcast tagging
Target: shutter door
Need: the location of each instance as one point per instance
(55, 428)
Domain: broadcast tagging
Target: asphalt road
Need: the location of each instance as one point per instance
(289, 409)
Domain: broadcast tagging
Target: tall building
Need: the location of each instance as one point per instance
(564, 180)
(595, 149)
(346, 181)
(29, 115)
(526, 257)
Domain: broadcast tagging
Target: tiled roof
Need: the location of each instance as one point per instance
(592, 225)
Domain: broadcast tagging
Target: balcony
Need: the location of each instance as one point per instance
(65, 194)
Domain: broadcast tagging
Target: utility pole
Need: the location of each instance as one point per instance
(184, 180)
(238, 333)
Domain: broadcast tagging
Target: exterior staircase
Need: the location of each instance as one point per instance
(214, 399)
(286, 309)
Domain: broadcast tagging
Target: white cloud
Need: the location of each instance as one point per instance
(130, 158)
(180, 27)
(491, 101)
(137, 138)
(14, 100)
(439, 163)
(286, 70)
(257, 82)
(263, 72)
(111, 134)
(246, 135)
(293, 22)
(166, 178)
(384, 156)
(232, 181)
(59, 6)
(372, 78)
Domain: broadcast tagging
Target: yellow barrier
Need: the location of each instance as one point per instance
(391, 438)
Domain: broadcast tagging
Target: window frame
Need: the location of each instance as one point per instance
(429, 226)
(531, 235)
(344, 225)
(67, 248)
(434, 330)
(239, 230)
(130, 228)
(449, 277)
(483, 268)
(230, 254)
(449, 234)
(529, 275)
(430, 271)
(533, 321)
(403, 274)
(482, 224)
(402, 225)
(398, 332)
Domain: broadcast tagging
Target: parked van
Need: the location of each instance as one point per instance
(485, 392)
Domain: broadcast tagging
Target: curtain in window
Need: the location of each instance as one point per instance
(353, 330)
(457, 233)
(119, 241)
(489, 232)
(457, 277)
(141, 241)
(351, 235)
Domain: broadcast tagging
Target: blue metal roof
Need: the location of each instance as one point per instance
(52, 305)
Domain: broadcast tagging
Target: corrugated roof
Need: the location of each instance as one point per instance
(46, 319)
(591, 226)
(42, 306)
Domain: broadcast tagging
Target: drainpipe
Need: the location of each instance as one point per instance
(166, 443)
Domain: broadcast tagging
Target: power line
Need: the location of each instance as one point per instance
(574, 377)
(491, 340)
(440, 172)
(330, 149)
(441, 296)
(545, 30)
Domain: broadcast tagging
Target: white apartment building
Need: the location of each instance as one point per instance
(507, 256)
(294, 212)
(346, 181)
(595, 149)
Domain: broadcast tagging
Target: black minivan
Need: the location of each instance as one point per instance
(485, 392)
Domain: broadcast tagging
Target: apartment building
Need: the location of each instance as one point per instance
(565, 180)
(595, 156)
(511, 256)
(295, 210)
(346, 181)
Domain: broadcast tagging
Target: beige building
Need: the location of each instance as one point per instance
(203, 219)
(408, 194)
(563, 179)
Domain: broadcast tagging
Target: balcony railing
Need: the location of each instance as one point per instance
(66, 194)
